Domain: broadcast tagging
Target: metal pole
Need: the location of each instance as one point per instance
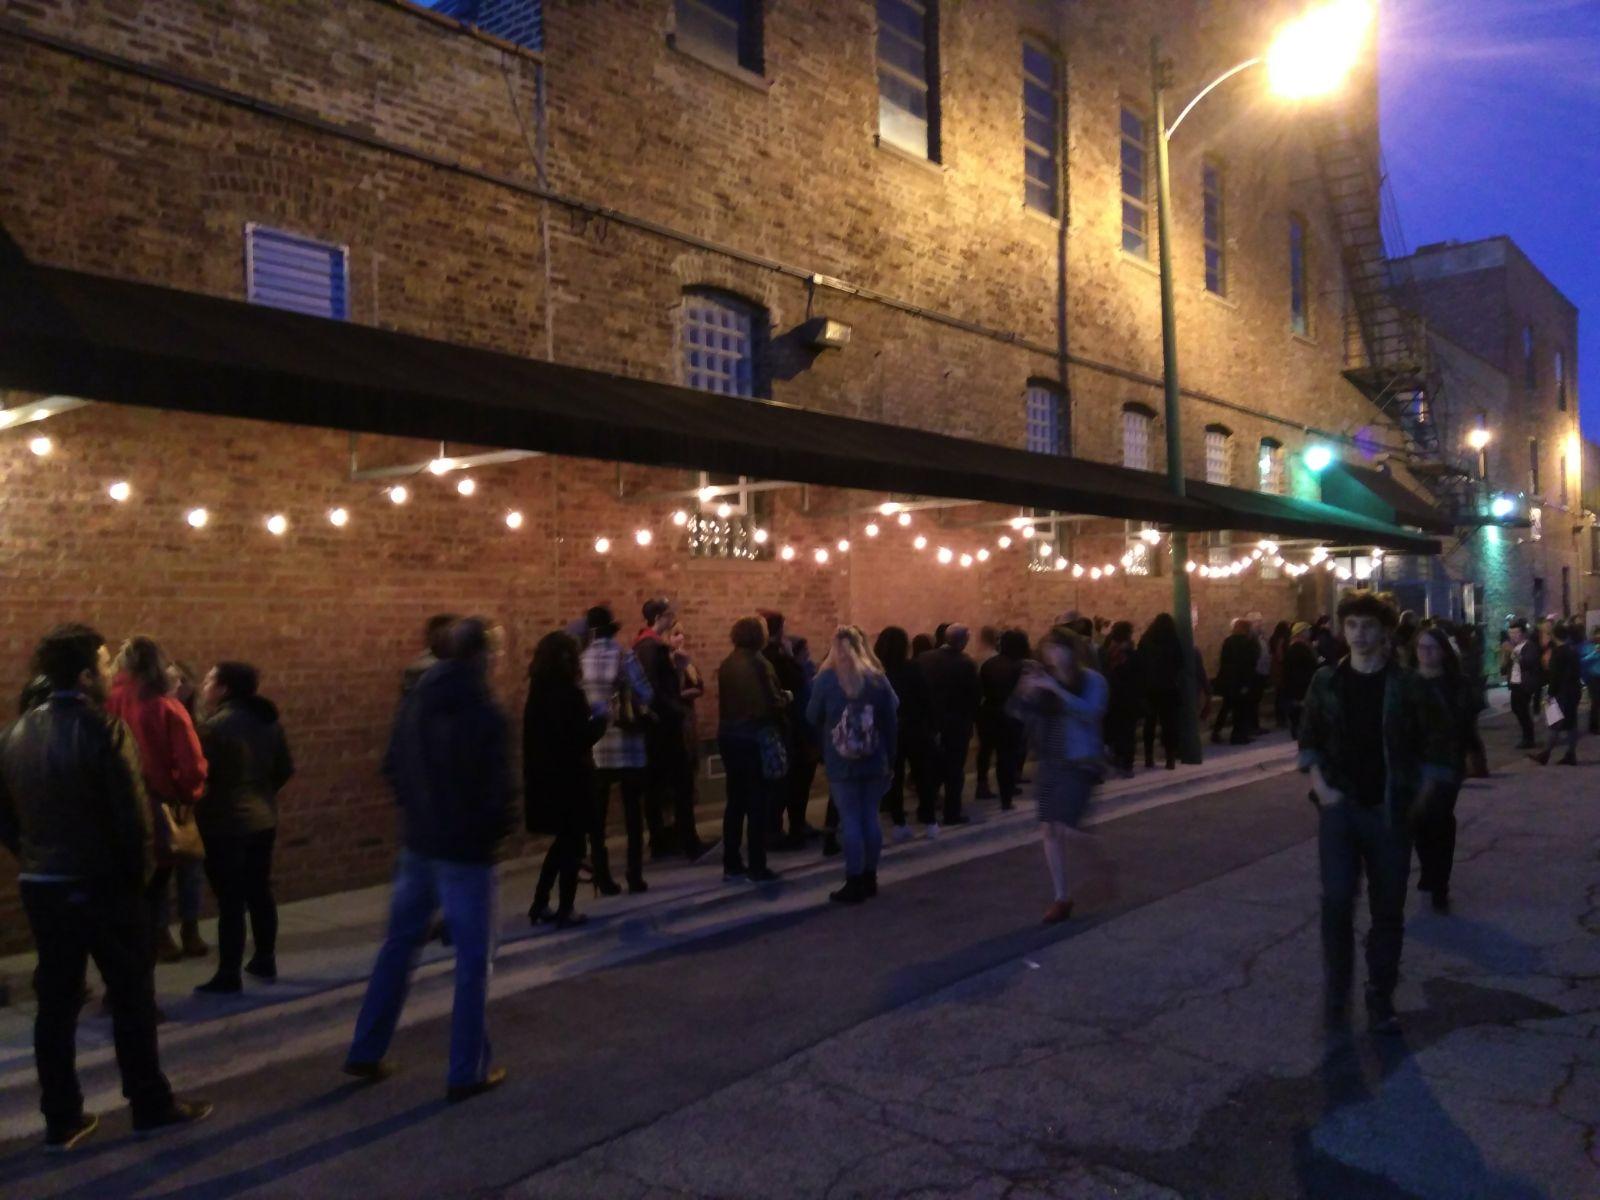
(1189, 721)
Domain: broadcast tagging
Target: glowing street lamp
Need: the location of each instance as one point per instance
(1479, 439)
(1310, 56)
(1318, 458)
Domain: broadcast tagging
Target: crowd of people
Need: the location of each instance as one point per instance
(121, 775)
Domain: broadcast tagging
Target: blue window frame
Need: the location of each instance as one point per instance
(908, 76)
(1135, 184)
(520, 22)
(722, 337)
(285, 270)
(1299, 304)
(1049, 431)
(1041, 127)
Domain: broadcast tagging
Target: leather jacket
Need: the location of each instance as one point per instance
(72, 803)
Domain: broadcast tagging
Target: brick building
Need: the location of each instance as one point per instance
(904, 224)
(1506, 341)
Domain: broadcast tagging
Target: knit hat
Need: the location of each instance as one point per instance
(600, 621)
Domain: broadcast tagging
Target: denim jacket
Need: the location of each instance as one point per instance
(1419, 736)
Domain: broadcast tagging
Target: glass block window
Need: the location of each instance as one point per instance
(1136, 426)
(520, 22)
(1535, 524)
(1560, 363)
(1135, 184)
(720, 344)
(284, 270)
(1529, 371)
(1299, 299)
(1561, 461)
(1533, 466)
(1041, 130)
(1271, 467)
(1215, 252)
(1219, 550)
(1048, 428)
(1219, 455)
(908, 76)
(726, 30)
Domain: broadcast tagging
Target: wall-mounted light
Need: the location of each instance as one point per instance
(1318, 458)
(825, 333)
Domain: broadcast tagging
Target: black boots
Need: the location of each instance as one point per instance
(854, 891)
(869, 883)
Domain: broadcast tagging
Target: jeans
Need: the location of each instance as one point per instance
(747, 807)
(857, 800)
(795, 789)
(467, 894)
(191, 877)
(1436, 840)
(71, 923)
(1352, 838)
(1521, 708)
(632, 781)
(240, 870)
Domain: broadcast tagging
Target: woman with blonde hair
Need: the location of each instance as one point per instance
(853, 710)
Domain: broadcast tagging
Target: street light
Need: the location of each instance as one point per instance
(1309, 57)
(1478, 439)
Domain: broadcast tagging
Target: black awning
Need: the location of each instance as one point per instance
(112, 340)
(1289, 516)
(1379, 495)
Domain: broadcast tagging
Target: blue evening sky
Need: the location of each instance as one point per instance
(1491, 124)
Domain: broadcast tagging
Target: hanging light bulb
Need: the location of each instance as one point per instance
(872, 529)
(680, 518)
(1044, 550)
(919, 542)
(399, 494)
(760, 537)
(966, 560)
(983, 554)
(1150, 537)
(120, 490)
(467, 486)
(1094, 572)
(441, 466)
(1109, 570)
(602, 545)
(888, 508)
(1019, 522)
(338, 517)
(844, 545)
(1077, 570)
(513, 520)
(1029, 532)
(1127, 559)
(904, 518)
(945, 555)
(197, 518)
(1189, 566)
(821, 556)
(41, 446)
(1061, 564)
(724, 511)
(787, 554)
(1005, 541)
(277, 524)
(707, 494)
(643, 537)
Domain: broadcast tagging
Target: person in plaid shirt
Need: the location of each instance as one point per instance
(613, 677)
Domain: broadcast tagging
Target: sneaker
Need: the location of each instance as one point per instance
(220, 985)
(180, 1112)
(369, 1072)
(263, 968)
(901, 833)
(58, 1139)
(931, 831)
(466, 1091)
(761, 875)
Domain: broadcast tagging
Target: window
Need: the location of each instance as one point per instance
(520, 22)
(1219, 455)
(1135, 184)
(1041, 136)
(1535, 526)
(1136, 424)
(1530, 374)
(1216, 259)
(1299, 308)
(727, 31)
(1271, 466)
(1048, 429)
(1139, 557)
(1219, 549)
(1561, 460)
(908, 76)
(1561, 381)
(1533, 466)
(284, 270)
(722, 344)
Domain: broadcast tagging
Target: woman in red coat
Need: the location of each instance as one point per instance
(170, 758)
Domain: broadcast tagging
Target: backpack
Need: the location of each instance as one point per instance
(855, 735)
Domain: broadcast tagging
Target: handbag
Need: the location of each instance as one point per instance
(774, 754)
(1553, 715)
(176, 834)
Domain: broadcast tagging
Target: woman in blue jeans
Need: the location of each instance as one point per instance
(853, 710)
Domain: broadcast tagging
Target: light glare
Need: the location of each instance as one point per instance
(1312, 55)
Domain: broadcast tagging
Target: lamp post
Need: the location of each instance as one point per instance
(1478, 439)
(1309, 57)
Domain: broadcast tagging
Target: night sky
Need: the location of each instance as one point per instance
(1491, 125)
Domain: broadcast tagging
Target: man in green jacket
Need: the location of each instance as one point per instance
(1374, 741)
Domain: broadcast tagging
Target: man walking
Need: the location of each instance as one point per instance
(449, 767)
(1526, 677)
(1375, 740)
(953, 695)
(73, 812)
(435, 645)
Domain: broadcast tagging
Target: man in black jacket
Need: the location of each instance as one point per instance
(1236, 676)
(669, 770)
(954, 695)
(449, 766)
(1526, 677)
(73, 811)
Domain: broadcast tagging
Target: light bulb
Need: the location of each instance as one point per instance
(1005, 541)
(602, 545)
(338, 517)
(787, 554)
(1018, 522)
(820, 555)
(1044, 549)
(39, 414)
(966, 560)
(983, 555)
(919, 542)
(1061, 564)
(197, 518)
(1077, 571)
(844, 545)
(513, 520)
(41, 446)
(1150, 536)
(1029, 532)
(680, 518)
(1094, 572)
(1127, 559)
(277, 524)
(1189, 566)
(399, 494)
(871, 529)
(888, 508)
(467, 486)
(724, 511)
(1109, 569)
(904, 519)
(945, 554)
(760, 537)
(707, 494)
(119, 491)
(643, 537)
(440, 466)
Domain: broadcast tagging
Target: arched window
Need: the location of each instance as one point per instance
(1049, 422)
(1270, 466)
(723, 337)
(1137, 424)
(1219, 454)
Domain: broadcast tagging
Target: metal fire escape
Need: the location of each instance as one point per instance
(1387, 344)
